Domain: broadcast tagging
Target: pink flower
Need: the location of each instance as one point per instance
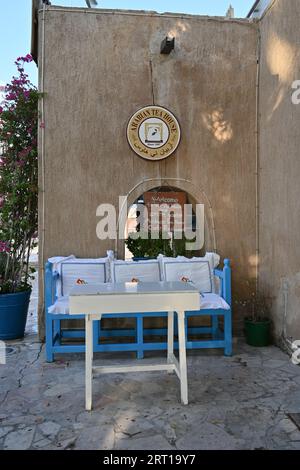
(4, 247)
(27, 58)
(25, 152)
(1, 110)
(16, 81)
(11, 96)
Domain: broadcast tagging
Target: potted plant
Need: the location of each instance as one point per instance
(18, 199)
(258, 324)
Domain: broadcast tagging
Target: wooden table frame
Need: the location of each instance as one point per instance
(89, 300)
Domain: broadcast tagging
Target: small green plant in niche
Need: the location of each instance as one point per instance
(141, 245)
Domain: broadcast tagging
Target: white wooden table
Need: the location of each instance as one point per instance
(95, 300)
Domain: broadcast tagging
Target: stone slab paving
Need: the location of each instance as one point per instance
(240, 402)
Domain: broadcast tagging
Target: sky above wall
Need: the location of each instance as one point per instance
(15, 31)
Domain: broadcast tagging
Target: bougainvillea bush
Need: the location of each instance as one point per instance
(18, 179)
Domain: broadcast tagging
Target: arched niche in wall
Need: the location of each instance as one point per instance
(195, 194)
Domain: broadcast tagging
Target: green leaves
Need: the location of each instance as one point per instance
(141, 245)
(145, 247)
(18, 179)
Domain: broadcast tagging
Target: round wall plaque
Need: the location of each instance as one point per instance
(153, 133)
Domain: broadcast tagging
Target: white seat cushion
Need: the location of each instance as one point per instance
(213, 302)
(60, 306)
(144, 271)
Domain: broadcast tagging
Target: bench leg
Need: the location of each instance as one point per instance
(186, 328)
(215, 326)
(182, 358)
(49, 339)
(228, 333)
(170, 338)
(140, 337)
(96, 330)
(56, 328)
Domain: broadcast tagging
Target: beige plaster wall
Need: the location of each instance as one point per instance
(99, 68)
(280, 165)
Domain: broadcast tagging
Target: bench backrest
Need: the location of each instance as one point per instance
(93, 271)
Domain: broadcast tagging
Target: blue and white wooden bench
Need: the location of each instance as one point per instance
(201, 271)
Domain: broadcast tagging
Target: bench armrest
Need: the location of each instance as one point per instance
(50, 285)
(225, 277)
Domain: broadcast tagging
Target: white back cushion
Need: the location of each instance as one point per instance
(92, 271)
(144, 271)
(198, 270)
(213, 259)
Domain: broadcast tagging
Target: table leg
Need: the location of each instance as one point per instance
(88, 361)
(170, 338)
(182, 358)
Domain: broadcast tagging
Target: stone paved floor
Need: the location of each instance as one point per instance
(240, 402)
(32, 320)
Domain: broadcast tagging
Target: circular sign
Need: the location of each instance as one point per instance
(153, 133)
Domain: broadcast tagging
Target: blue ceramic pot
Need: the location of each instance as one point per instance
(13, 314)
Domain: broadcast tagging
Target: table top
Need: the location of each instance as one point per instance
(162, 287)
